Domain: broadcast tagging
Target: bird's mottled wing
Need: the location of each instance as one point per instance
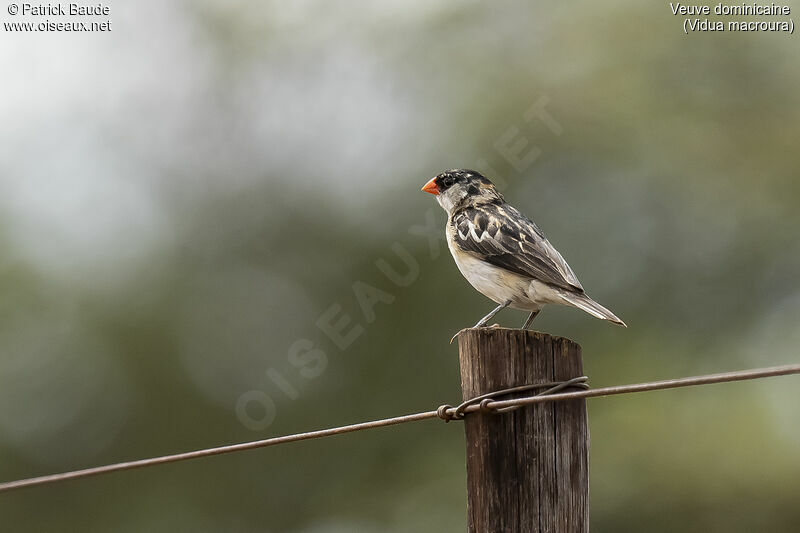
(501, 235)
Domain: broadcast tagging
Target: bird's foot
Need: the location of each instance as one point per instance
(456, 335)
(493, 326)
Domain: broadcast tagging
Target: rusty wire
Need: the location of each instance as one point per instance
(484, 403)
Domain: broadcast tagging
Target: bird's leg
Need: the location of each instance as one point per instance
(485, 319)
(530, 319)
(482, 322)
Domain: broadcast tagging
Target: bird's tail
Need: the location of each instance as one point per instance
(582, 301)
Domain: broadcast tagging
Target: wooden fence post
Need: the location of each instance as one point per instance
(527, 470)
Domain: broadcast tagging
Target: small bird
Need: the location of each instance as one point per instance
(504, 254)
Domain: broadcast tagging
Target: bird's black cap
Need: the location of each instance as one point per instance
(448, 178)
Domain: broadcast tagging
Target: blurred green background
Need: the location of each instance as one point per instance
(183, 198)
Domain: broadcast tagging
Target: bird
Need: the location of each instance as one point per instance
(502, 253)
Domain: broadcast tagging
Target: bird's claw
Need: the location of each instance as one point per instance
(493, 326)
(456, 335)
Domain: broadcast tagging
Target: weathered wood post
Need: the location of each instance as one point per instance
(527, 470)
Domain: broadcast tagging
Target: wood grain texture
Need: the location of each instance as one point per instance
(527, 470)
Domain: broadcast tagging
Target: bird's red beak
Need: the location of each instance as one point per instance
(431, 187)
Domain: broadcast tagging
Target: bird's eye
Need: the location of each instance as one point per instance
(449, 181)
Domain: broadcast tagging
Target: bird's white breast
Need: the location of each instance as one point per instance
(499, 284)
